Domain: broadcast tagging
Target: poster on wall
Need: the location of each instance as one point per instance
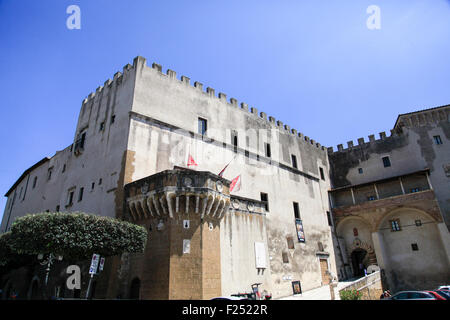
(300, 232)
(296, 287)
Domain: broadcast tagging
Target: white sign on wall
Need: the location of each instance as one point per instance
(186, 246)
(260, 255)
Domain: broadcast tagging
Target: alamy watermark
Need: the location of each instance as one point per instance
(74, 20)
(374, 20)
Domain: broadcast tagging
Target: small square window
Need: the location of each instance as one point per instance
(330, 221)
(202, 126)
(290, 242)
(296, 211)
(294, 161)
(414, 247)
(234, 139)
(414, 190)
(418, 223)
(395, 225)
(386, 162)
(80, 194)
(49, 174)
(70, 197)
(322, 175)
(371, 198)
(285, 257)
(437, 139)
(265, 200)
(268, 151)
(360, 170)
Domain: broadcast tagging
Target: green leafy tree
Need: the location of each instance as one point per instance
(76, 236)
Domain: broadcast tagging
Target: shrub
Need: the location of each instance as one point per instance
(75, 235)
(350, 295)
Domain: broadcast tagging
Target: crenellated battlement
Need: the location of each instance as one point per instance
(361, 142)
(140, 62)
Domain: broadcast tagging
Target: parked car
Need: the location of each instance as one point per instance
(437, 295)
(444, 293)
(446, 287)
(412, 295)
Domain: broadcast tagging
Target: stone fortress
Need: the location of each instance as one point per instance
(303, 213)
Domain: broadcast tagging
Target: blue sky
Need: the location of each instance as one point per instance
(315, 65)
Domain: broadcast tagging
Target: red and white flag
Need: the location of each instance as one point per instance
(191, 161)
(236, 184)
(223, 170)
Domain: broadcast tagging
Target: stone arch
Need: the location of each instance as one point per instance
(34, 290)
(135, 289)
(342, 222)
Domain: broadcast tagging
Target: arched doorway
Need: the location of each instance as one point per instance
(357, 257)
(135, 289)
(35, 294)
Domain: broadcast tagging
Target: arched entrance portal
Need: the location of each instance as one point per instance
(35, 294)
(358, 258)
(135, 289)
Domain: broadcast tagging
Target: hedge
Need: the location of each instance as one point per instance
(75, 236)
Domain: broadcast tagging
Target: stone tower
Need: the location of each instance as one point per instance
(182, 210)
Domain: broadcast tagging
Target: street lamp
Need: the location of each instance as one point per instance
(50, 259)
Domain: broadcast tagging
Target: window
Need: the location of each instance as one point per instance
(64, 168)
(418, 223)
(93, 185)
(320, 246)
(296, 211)
(355, 232)
(285, 257)
(49, 174)
(100, 181)
(294, 161)
(34, 182)
(395, 225)
(401, 296)
(414, 247)
(437, 139)
(267, 149)
(80, 194)
(371, 198)
(322, 176)
(202, 126)
(360, 170)
(79, 143)
(386, 162)
(234, 139)
(102, 126)
(113, 118)
(330, 221)
(265, 200)
(70, 197)
(414, 190)
(57, 208)
(290, 242)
